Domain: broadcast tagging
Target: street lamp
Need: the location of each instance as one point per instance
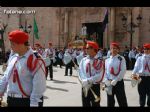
(130, 26)
(26, 28)
(2, 30)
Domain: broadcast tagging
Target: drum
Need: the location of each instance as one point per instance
(54, 60)
(47, 61)
(67, 58)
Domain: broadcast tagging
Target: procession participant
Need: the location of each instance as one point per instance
(24, 78)
(51, 53)
(100, 53)
(132, 54)
(61, 55)
(81, 55)
(74, 55)
(91, 72)
(115, 67)
(39, 48)
(139, 53)
(126, 56)
(142, 71)
(108, 53)
(68, 60)
(56, 61)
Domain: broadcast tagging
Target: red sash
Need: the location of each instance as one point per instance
(96, 66)
(16, 79)
(31, 68)
(112, 70)
(103, 73)
(147, 67)
(88, 69)
(33, 64)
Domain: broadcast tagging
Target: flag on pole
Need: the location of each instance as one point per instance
(105, 21)
(35, 28)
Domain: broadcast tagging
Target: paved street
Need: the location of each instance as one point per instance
(66, 90)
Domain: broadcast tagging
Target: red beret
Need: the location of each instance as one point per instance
(18, 36)
(146, 46)
(115, 44)
(93, 44)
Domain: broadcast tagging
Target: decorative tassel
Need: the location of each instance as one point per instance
(97, 64)
(15, 76)
(112, 70)
(87, 68)
(147, 67)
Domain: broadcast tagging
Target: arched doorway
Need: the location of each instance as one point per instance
(94, 32)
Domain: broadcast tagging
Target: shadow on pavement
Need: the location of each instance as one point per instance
(58, 81)
(53, 88)
(45, 97)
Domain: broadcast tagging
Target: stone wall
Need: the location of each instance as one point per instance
(60, 24)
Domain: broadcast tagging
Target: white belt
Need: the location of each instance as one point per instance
(16, 95)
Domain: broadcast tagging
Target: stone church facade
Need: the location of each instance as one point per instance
(60, 25)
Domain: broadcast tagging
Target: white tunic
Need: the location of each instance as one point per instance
(88, 72)
(114, 62)
(140, 64)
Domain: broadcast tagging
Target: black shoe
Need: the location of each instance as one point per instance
(70, 75)
(65, 75)
(51, 79)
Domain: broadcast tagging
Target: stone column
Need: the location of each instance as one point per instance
(136, 12)
(76, 21)
(112, 25)
(110, 29)
(66, 27)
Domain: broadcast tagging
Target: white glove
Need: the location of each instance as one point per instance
(87, 83)
(90, 81)
(133, 82)
(33, 105)
(139, 80)
(113, 82)
(107, 82)
(84, 83)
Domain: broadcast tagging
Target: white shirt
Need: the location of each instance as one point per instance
(100, 54)
(139, 67)
(91, 74)
(33, 83)
(114, 62)
(132, 54)
(108, 54)
(50, 52)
